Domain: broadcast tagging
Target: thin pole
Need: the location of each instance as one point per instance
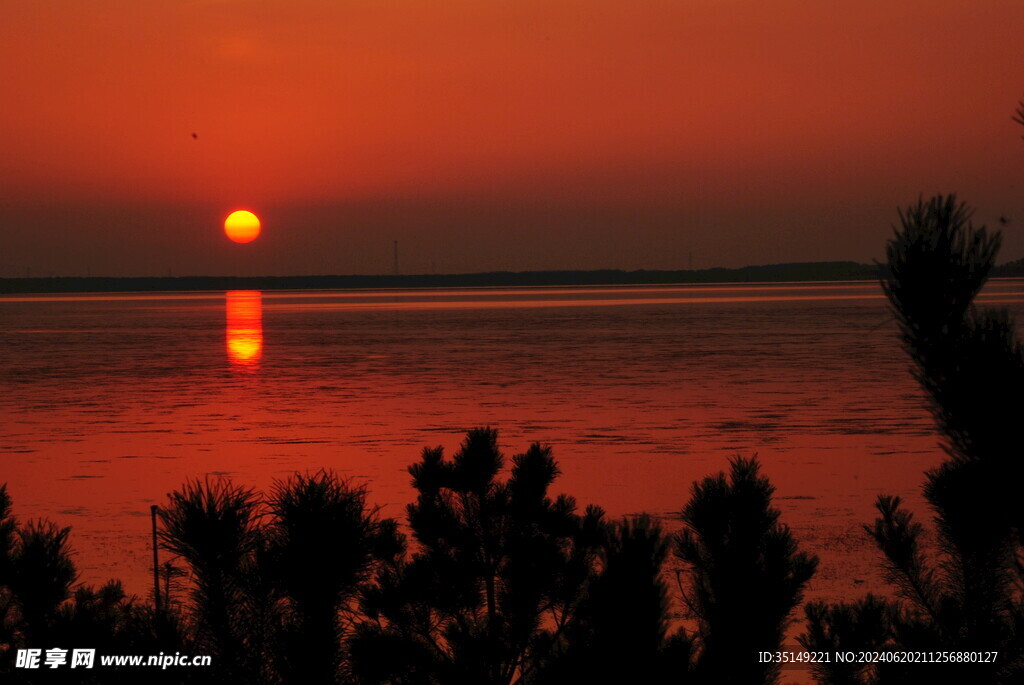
(167, 584)
(156, 563)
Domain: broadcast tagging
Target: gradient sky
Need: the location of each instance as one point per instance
(496, 134)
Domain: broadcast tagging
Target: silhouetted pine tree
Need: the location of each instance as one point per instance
(40, 608)
(966, 596)
(621, 632)
(496, 577)
(41, 577)
(324, 543)
(745, 574)
(8, 531)
(214, 527)
(862, 626)
(111, 622)
(275, 582)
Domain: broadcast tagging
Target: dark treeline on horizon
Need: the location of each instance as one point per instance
(802, 271)
(768, 273)
(506, 583)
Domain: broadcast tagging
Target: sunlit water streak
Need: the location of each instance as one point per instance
(109, 401)
(244, 334)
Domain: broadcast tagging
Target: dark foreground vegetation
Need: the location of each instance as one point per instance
(502, 582)
(965, 595)
(494, 579)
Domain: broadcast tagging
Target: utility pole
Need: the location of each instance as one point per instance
(156, 563)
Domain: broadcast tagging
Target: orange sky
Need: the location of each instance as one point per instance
(497, 134)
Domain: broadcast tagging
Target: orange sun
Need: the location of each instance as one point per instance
(242, 226)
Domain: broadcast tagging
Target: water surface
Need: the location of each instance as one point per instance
(109, 402)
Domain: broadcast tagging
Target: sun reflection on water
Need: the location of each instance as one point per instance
(244, 328)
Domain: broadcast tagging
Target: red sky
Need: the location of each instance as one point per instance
(496, 134)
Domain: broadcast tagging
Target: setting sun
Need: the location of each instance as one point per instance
(242, 226)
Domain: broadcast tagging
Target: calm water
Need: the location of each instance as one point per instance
(110, 401)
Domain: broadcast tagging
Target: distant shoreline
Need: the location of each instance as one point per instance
(767, 273)
(802, 271)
